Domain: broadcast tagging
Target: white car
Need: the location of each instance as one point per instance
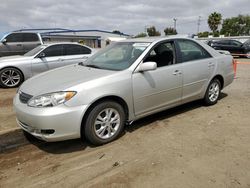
(15, 69)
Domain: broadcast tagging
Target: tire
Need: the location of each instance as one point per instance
(104, 123)
(11, 77)
(248, 55)
(213, 92)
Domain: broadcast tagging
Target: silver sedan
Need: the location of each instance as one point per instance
(15, 69)
(124, 82)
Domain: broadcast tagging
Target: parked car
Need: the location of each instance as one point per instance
(18, 43)
(126, 81)
(233, 46)
(15, 69)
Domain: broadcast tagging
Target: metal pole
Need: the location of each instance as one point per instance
(198, 24)
(175, 19)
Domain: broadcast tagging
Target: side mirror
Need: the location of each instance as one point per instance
(4, 41)
(147, 66)
(41, 55)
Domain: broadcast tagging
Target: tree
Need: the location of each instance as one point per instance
(203, 34)
(236, 26)
(152, 31)
(214, 20)
(117, 32)
(170, 31)
(139, 35)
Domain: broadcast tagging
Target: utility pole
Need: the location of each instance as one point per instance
(175, 19)
(198, 24)
(146, 30)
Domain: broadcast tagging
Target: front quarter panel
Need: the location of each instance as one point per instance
(23, 65)
(118, 85)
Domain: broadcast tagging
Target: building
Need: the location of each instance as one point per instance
(92, 38)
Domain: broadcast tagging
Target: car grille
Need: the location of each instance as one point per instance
(24, 97)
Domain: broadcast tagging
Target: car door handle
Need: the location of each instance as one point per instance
(210, 64)
(18, 45)
(176, 72)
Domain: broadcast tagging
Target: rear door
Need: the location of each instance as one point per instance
(160, 88)
(74, 53)
(52, 59)
(236, 47)
(197, 68)
(30, 41)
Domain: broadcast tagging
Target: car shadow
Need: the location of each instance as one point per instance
(60, 147)
(75, 145)
(167, 114)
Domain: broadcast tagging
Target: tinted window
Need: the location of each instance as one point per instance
(192, 51)
(235, 43)
(55, 50)
(29, 37)
(76, 49)
(15, 37)
(224, 42)
(163, 54)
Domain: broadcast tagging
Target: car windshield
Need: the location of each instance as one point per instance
(35, 50)
(247, 42)
(117, 56)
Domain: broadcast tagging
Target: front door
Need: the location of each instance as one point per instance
(13, 45)
(160, 88)
(53, 59)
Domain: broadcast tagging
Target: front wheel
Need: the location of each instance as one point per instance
(213, 92)
(10, 77)
(104, 123)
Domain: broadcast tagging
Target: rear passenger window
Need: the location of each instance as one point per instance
(55, 50)
(235, 43)
(30, 37)
(14, 37)
(76, 49)
(191, 51)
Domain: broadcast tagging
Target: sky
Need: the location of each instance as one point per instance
(127, 16)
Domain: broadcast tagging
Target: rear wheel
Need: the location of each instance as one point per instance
(10, 77)
(104, 123)
(213, 92)
(248, 54)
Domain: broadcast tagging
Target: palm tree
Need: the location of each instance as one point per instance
(214, 20)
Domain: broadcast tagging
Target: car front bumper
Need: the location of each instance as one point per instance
(51, 123)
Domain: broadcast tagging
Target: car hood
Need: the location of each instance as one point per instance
(14, 58)
(62, 79)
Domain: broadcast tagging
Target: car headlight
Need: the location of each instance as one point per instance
(51, 99)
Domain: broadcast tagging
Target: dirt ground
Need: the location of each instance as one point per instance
(188, 146)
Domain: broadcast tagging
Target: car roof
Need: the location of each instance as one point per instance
(154, 39)
(62, 43)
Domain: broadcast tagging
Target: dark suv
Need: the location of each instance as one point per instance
(18, 43)
(233, 46)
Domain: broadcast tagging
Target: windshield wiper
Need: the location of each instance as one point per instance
(89, 65)
(92, 66)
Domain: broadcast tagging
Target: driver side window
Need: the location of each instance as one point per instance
(55, 50)
(14, 37)
(163, 54)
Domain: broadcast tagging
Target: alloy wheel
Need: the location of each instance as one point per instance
(214, 91)
(10, 78)
(107, 123)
